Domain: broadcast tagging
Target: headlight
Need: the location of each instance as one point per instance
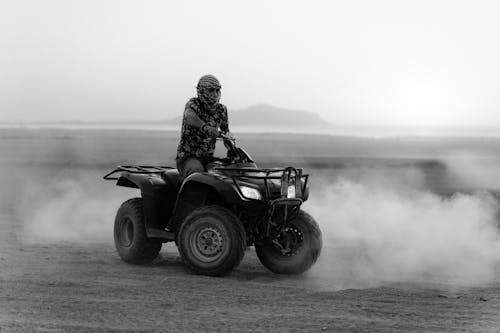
(250, 193)
(290, 194)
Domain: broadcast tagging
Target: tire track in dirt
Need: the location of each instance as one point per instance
(87, 288)
(84, 287)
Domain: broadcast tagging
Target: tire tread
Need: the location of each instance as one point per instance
(144, 250)
(235, 229)
(290, 266)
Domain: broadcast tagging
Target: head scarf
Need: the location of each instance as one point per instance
(210, 99)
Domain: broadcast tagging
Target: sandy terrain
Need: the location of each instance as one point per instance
(67, 287)
(59, 271)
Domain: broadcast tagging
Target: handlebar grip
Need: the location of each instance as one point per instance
(224, 135)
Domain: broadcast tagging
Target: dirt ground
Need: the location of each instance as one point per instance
(86, 288)
(67, 287)
(80, 285)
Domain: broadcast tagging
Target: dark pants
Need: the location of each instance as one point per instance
(189, 166)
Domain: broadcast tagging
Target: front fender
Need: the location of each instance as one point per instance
(222, 186)
(199, 189)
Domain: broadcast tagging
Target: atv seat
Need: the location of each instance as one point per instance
(173, 178)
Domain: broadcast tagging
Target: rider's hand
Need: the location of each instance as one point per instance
(211, 130)
(228, 135)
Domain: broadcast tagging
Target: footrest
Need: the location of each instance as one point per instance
(160, 234)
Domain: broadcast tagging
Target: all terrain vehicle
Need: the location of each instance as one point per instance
(213, 216)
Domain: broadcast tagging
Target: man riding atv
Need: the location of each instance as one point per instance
(203, 117)
(214, 208)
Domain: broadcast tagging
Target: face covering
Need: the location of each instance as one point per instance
(209, 91)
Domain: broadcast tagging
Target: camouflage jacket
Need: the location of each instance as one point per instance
(195, 142)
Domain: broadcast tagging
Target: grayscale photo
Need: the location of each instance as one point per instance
(249, 166)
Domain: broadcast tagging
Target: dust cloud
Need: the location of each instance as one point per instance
(378, 225)
(379, 228)
(77, 206)
(473, 170)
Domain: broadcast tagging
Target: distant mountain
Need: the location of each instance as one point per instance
(259, 116)
(270, 116)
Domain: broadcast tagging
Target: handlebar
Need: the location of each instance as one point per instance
(227, 136)
(228, 139)
(234, 153)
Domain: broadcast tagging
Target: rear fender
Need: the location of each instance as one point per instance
(125, 182)
(158, 197)
(147, 183)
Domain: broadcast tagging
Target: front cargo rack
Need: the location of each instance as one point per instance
(286, 176)
(137, 169)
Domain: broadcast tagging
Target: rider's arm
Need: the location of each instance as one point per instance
(192, 119)
(224, 126)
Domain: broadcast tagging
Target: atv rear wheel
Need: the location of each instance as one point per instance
(131, 241)
(211, 241)
(295, 250)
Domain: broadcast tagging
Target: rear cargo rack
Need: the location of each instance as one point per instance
(286, 176)
(137, 169)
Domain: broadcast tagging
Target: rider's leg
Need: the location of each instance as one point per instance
(189, 166)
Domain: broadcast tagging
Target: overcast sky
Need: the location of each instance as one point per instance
(352, 62)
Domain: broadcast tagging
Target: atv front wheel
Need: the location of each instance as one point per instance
(211, 241)
(131, 241)
(295, 250)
